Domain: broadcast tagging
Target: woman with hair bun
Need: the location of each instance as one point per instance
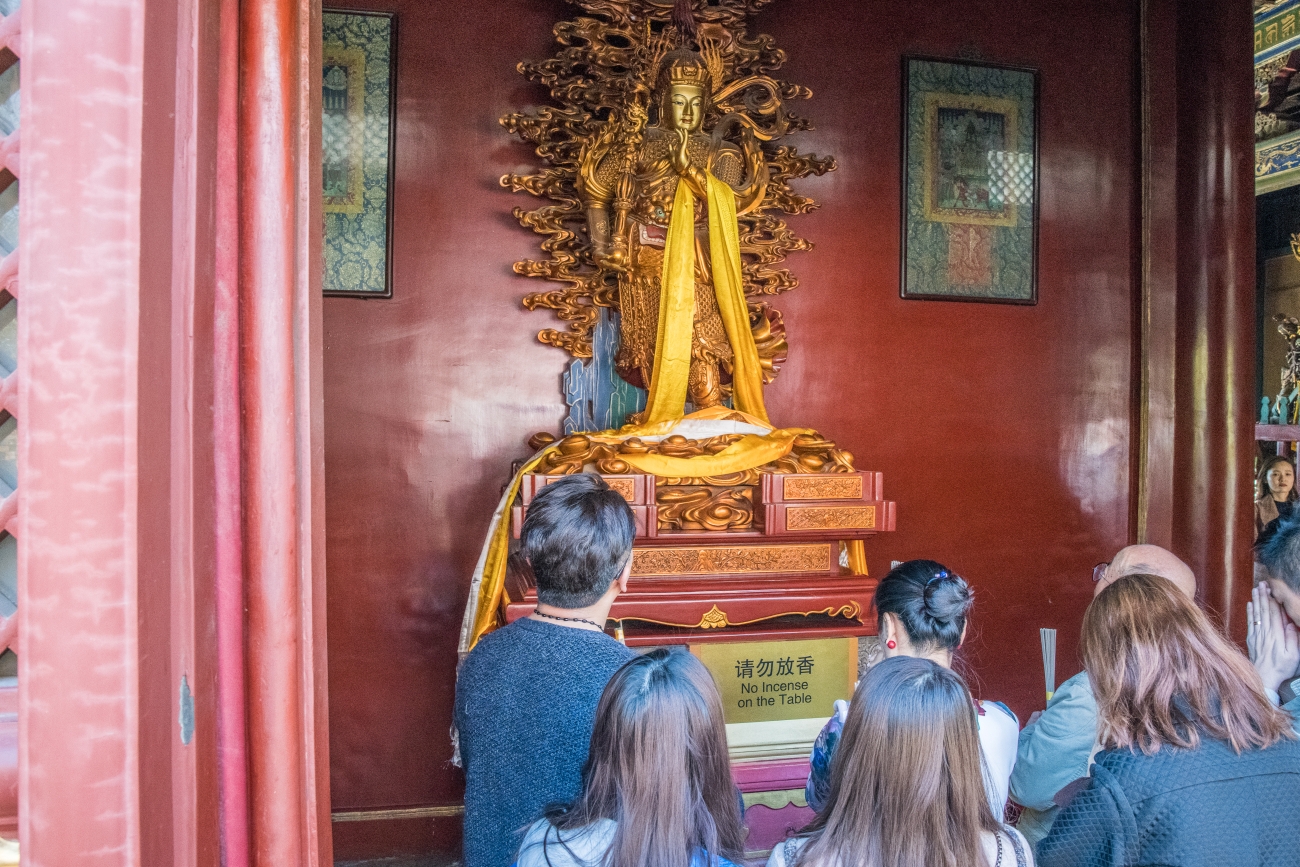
(922, 607)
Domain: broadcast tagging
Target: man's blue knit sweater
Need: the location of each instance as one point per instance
(525, 703)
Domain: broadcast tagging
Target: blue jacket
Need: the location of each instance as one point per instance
(1054, 752)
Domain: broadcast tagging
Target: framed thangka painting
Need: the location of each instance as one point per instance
(970, 181)
(357, 151)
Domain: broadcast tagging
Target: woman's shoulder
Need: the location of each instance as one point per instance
(544, 844)
(784, 853)
(997, 722)
(1213, 762)
(1015, 849)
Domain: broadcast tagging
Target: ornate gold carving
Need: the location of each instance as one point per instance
(737, 560)
(831, 518)
(626, 488)
(823, 488)
(714, 618)
(607, 173)
(850, 609)
(810, 454)
(690, 507)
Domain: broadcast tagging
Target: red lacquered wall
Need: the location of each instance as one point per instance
(1003, 431)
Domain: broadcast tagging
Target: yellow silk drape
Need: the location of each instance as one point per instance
(747, 452)
(729, 286)
(672, 364)
(493, 583)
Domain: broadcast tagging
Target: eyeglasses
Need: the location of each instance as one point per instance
(1099, 571)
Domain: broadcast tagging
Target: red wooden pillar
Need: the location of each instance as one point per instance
(1215, 360)
(93, 576)
(171, 406)
(279, 298)
(1195, 301)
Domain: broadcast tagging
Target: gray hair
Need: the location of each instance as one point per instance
(577, 537)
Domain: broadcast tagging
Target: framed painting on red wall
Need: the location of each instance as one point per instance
(970, 181)
(357, 133)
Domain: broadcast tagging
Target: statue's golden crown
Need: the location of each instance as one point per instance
(684, 66)
(688, 74)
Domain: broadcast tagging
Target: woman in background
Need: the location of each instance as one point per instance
(922, 608)
(1276, 496)
(657, 788)
(906, 786)
(1197, 767)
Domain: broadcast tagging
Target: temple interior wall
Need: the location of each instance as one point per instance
(1003, 431)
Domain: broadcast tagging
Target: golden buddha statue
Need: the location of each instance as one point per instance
(629, 179)
(665, 185)
(665, 107)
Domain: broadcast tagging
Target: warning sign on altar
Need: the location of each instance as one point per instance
(761, 681)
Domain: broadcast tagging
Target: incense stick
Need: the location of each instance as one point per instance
(1048, 639)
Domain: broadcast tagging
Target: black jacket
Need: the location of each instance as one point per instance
(1183, 808)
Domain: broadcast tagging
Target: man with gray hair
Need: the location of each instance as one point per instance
(1057, 744)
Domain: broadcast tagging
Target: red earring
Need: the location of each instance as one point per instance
(891, 644)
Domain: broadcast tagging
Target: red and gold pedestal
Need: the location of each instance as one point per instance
(786, 592)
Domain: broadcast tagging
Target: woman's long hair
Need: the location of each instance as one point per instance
(658, 767)
(1163, 674)
(906, 784)
(1261, 479)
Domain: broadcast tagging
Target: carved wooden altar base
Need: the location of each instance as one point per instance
(729, 608)
(781, 578)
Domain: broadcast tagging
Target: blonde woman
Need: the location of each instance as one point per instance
(1198, 767)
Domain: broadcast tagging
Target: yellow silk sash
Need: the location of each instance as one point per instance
(491, 575)
(672, 364)
(729, 286)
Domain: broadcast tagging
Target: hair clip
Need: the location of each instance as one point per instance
(942, 573)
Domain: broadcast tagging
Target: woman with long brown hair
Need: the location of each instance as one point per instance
(906, 786)
(1275, 496)
(657, 788)
(1197, 767)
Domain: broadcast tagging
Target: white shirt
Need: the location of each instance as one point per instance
(999, 738)
(581, 847)
(792, 846)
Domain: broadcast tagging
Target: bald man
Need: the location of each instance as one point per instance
(1056, 746)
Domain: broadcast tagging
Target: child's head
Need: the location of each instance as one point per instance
(658, 766)
(577, 537)
(907, 784)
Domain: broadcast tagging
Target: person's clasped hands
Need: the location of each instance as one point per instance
(1272, 639)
